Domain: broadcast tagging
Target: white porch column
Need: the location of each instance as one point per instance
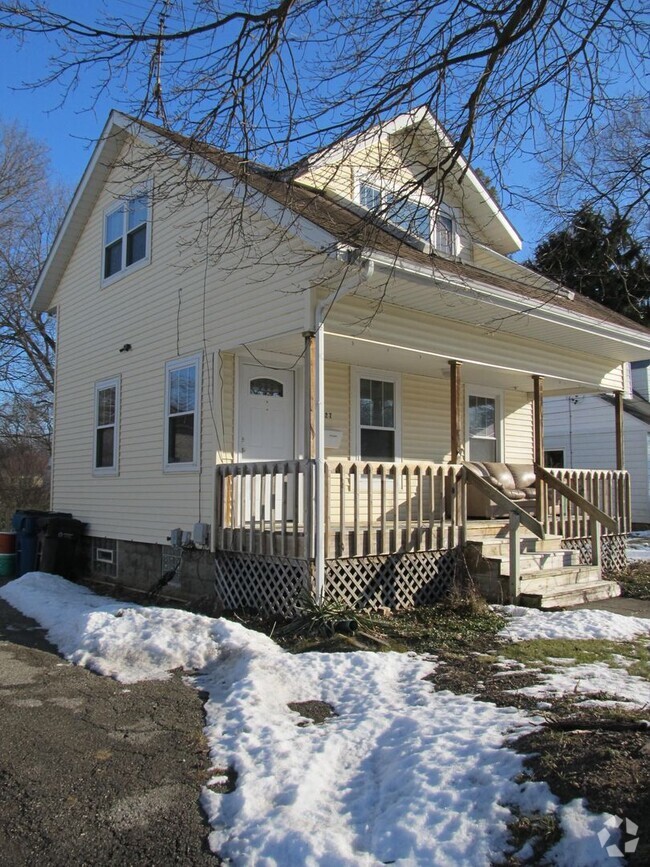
(319, 510)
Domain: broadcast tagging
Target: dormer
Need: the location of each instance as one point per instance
(401, 172)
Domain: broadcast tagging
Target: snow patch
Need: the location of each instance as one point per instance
(527, 623)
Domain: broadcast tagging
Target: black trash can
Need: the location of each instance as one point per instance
(27, 523)
(58, 544)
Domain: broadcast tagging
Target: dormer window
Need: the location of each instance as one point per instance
(411, 216)
(444, 233)
(127, 235)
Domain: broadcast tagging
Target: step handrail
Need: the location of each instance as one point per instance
(500, 499)
(576, 498)
(517, 517)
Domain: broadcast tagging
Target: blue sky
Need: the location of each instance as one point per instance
(70, 127)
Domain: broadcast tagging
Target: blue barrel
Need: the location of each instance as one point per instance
(27, 523)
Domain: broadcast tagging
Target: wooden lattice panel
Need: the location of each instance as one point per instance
(612, 551)
(392, 580)
(270, 585)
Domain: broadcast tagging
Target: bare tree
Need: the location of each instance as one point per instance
(276, 79)
(608, 170)
(30, 210)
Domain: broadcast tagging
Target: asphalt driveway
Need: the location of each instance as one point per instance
(93, 772)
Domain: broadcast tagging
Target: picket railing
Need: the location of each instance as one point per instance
(383, 508)
(260, 508)
(606, 490)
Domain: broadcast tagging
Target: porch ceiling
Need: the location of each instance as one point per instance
(363, 352)
(471, 302)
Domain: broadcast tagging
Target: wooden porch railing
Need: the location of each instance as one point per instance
(571, 516)
(384, 508)
(260, 508)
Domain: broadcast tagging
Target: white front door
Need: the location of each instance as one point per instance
(266, 414)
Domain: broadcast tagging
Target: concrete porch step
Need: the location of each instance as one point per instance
(496, 529)
(563, 597)
(552, 579)
(541, 561)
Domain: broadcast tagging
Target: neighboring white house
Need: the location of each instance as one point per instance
(285, 369)
(579, 431)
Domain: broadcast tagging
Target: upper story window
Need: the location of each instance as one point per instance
(127, 229)
(412, 216)
(107, 420)
(182, 406)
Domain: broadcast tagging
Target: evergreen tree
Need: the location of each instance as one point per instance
(600, 258)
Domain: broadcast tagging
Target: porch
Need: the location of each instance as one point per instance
(399, 533)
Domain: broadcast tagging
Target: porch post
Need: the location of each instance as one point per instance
(620, 438)
(310, 441)
(319, 416)
(456, 409)
(310, 395)
(538, 444)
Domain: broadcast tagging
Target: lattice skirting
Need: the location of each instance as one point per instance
(612, 552)
(392, 580)
(270, 585)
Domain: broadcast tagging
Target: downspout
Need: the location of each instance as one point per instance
(366, 269)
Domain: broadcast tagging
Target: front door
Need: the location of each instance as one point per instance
(266, 414)
(266, 433)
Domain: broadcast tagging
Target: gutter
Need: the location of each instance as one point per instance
(348, 284)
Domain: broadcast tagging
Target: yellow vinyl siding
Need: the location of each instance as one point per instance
(337, 405)
(393, 161)
(518, 428)
(174, 307)
(426, 419)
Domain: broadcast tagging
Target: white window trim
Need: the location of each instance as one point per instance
(367, 177)
(105, 555)
(359, 373)
(176, 364)
(114, 469)
(141, 189)
(497, 395)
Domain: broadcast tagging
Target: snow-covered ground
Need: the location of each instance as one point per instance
(638, 545)
(399, 774)
(527, 623)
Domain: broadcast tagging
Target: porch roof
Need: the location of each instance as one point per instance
(471, 296)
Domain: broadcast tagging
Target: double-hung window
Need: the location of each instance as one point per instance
(127, 230)
(182, 413)
(411, 215)
(484, 427)
(106, 427)
(378, 418)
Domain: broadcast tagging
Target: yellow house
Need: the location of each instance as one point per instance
(297, 378)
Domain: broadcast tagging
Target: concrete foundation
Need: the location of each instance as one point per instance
(178, 573)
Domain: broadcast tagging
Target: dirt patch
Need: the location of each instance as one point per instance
(316, 711)
(610, 769)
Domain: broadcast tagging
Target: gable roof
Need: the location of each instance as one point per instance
(477, 199)
(341, 225)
